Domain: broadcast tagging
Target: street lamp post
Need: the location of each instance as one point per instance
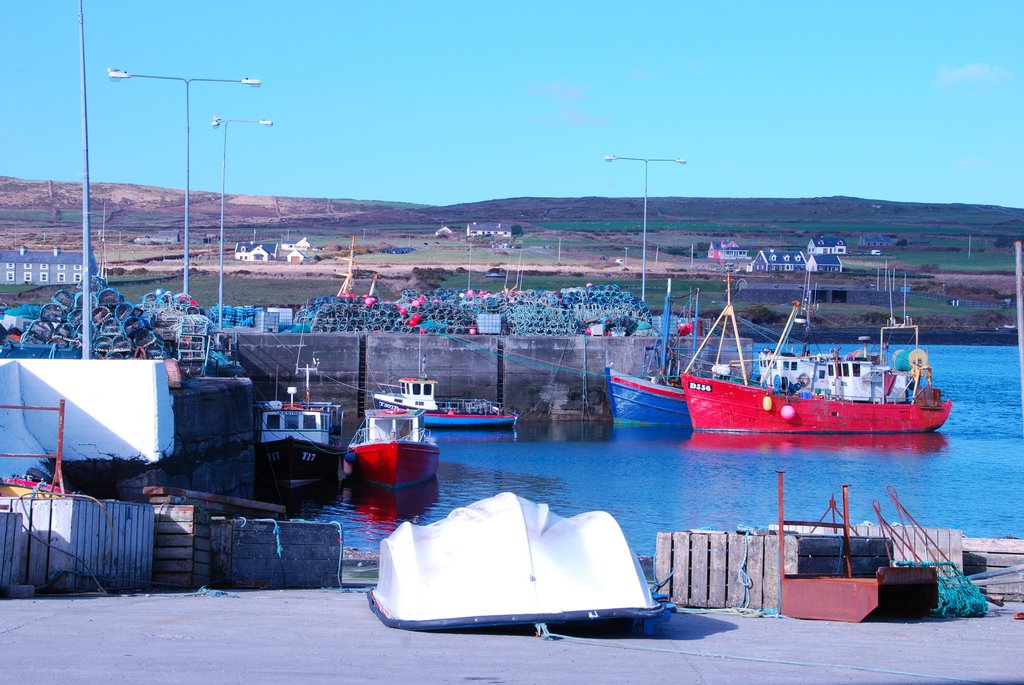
(643, 249)
(120, 75)
(217, 123)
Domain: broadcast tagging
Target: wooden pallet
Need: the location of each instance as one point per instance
(706, 568)
(181, 546)
(991, 554)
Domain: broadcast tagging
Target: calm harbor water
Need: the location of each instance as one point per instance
(653, 479)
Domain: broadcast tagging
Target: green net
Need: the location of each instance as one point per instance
(958, 597)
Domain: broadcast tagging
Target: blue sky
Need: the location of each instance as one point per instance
(449, 102)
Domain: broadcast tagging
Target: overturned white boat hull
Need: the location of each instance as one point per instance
(504, 561)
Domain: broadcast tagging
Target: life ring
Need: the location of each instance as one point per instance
(291, 406)
(804, 380)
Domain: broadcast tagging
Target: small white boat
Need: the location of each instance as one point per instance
(421, 393)
(506, 561)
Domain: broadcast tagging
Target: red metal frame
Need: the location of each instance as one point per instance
(58, 473)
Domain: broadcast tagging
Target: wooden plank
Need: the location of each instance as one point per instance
(956, 547)
(169, 540)
(182, 527)
(770, 588)
(1002, 545)
(755, 569)
(681, 568)
(172, 553)
(996, 561)
(168, 579)
(10, 550)
(699, 562)
(172, 566)
(288, 553)
(718, 570)
(189, 513)
(161, 491)
(663, 561)
(736, 560)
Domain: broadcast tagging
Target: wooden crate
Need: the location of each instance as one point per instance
(12, 549)
(991, 554)
(710, 569)
(948, 541)
(73, 543)
(181, 546)
(276, 554)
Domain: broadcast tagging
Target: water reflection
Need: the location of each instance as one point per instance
(370, 513)
(872, 443)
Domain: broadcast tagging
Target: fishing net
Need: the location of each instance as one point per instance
(958, 597)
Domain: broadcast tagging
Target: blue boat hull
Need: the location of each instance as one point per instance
(469, 421)
(639, 400)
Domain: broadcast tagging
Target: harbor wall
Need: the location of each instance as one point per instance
(541, 377)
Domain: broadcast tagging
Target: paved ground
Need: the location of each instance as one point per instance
(329, 636)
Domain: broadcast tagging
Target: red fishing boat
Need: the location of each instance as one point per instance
(392, 449)
(815, 393)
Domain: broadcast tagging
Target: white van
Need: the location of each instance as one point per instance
(876, 252)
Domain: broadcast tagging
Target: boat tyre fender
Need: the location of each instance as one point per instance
(803, 380)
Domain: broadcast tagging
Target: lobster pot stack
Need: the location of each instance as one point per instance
(457, 312)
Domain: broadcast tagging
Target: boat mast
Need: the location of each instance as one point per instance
(728, 314)
(666, 316)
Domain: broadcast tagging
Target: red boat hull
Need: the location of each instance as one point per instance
(395, 464)
(728, 406)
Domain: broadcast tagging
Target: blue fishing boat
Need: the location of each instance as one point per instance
(657, 398)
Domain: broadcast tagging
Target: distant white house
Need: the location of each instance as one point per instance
(822, 263)
(487, 230)
(826, 245)
(41, 267)
(772, 261)
(256, 252)
(296, 257)
(302, 245)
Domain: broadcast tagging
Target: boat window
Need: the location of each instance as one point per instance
(309, 422)
(821, 374)
(831, 370)
(416, 389)
(856, 369)
(273, 421)
(428, 388)
(291, 422)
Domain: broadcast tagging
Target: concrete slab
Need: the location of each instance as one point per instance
(330, 636)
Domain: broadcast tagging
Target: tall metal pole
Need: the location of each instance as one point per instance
(643, 247)
(220, 277)
(217, 121)
(86, 227)
(119, 75)
(186, 239)
(1020, 325)
(643, 256)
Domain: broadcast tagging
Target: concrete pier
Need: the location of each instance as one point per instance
(330, 636)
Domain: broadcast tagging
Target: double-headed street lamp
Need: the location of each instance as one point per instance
(643, 249)
(217, 123)
(119, 75)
